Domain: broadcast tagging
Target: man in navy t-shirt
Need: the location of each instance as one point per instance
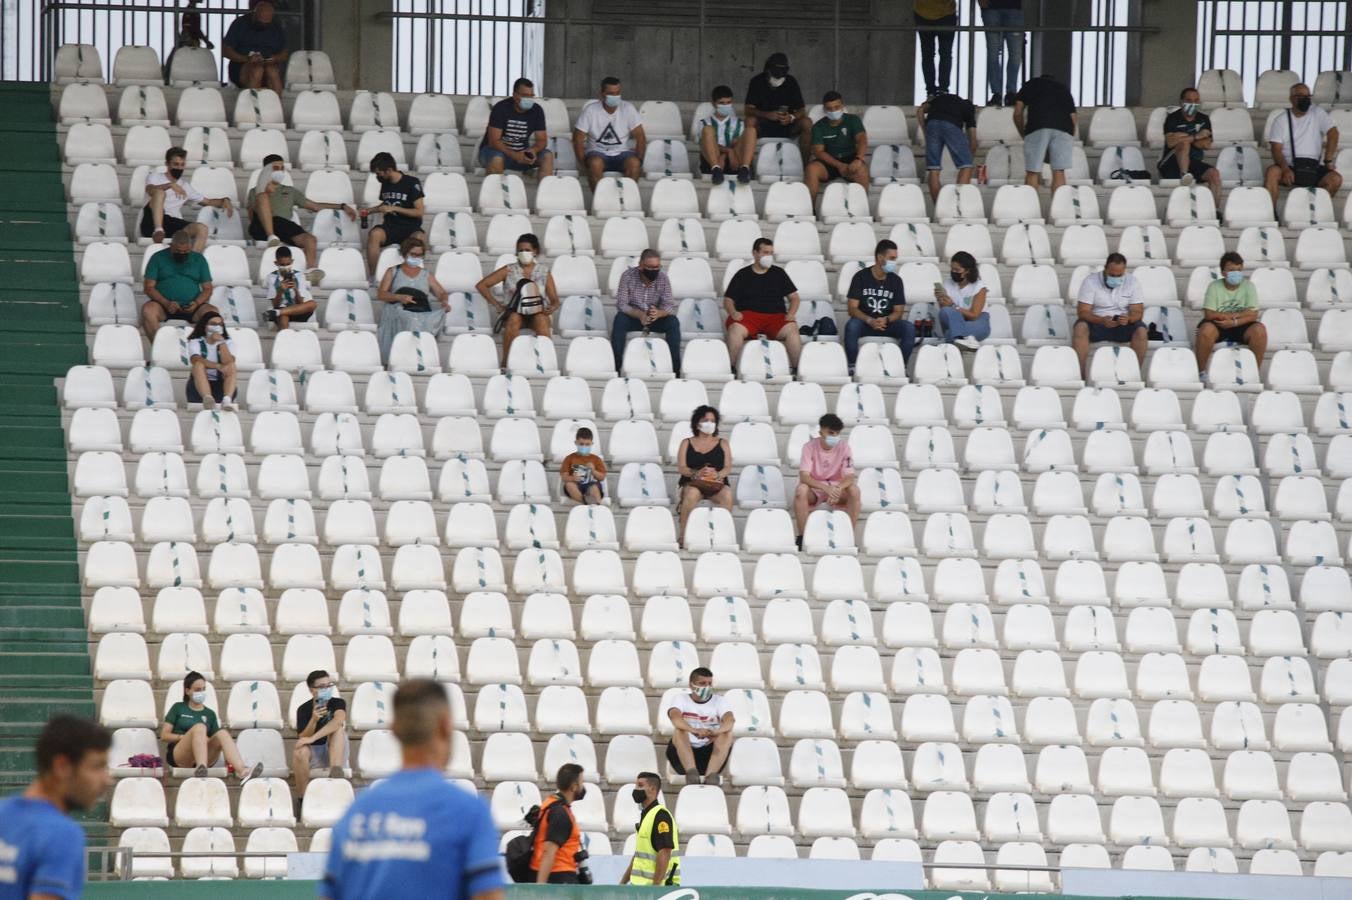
(42, 851)
(516, 139)
(877, 305)
(415, 833)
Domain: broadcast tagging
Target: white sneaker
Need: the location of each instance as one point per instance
(968, 342)
(1201, 376)
(228, 403)
(1187, 180)
(274, 241)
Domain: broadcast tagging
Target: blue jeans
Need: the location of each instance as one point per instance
(955, 326)
(901, 331)
(940, 134)
(667, 326)
(1008, 44)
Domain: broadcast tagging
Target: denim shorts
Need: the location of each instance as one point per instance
(1036, 145)
(613, 163)
(940, 134)
(488, 154)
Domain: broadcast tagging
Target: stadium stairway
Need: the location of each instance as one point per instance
(44, 658)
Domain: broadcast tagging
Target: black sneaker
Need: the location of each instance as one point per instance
(798, 542)
(995, 100)
(716, 173)
(744, 175)
(200, 772)
(270, 315)
(1009, 99)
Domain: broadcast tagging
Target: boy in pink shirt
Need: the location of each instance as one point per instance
(826, 475)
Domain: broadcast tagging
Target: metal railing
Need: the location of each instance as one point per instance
(1251, 37)
(31, 31)
(430, 32)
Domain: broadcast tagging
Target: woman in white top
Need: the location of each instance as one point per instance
(529, 295)
(212, 359)
(962, 303)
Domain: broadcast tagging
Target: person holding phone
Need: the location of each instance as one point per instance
(289, 292)
(962, 303)
(321, 732)
(255, 47)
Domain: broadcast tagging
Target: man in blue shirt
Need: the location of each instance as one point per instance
(415, 831)
(42, 851)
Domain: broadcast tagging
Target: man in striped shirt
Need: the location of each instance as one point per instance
(726, 143)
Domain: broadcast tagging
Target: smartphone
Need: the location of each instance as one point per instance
(938, 287)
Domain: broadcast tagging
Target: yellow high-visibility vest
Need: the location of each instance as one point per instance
(645, 857)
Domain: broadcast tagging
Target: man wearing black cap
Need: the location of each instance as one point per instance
(775, 103)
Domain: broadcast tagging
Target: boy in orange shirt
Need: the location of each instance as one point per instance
(583, 472)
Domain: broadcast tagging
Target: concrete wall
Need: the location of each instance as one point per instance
(358, 41)
(1168, 59)
(680, 60)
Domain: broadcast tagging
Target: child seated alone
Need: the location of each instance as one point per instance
(583, 473)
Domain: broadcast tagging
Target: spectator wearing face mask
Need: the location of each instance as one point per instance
(962, 303)
(644, 302)
(826, 475)
(516, 139)
(211, 360)
(1304, 144)
(1230, 314)
(755, 301)
(400, 208)
(321, 731)
(839, 147)
(194, 737)
(1110, 310)
(602, 133)
(529, 297)
(702, 735)
(288, 290)
(704, 461)
(877, 305)
(726, 143)
(177, 286)
(271, 203)
(1187, 137)
(583, 471)
(167, 193)
(949, 122)
(775, 106)
(415, 300)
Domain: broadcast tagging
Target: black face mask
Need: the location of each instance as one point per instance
(175, 173)
(651, 274)
(581, 793)
(178, 257)
(956, 276)
(1303, 104)
(640, 796)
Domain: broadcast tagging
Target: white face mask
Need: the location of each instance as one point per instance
(708, 427)
(215, 329)
(525, 257)
(776, 82)
(767, 260)
(277, 175)
(416, 262)
(199, 697)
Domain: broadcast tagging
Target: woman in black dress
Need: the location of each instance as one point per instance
(704, 461)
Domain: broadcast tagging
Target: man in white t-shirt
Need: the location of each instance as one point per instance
(703, 733)
(1109, 310)
(1314, 144)
(602, 133)
(166, 194)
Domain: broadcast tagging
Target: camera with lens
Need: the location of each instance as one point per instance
(584, 873)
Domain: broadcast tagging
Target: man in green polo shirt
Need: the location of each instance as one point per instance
(177, 285)
(1229, 315)
(271, 203)
(839, 146)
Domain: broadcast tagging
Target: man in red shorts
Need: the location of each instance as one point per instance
(755, 302)
(826, 475)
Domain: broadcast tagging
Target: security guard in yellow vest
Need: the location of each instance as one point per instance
(657, 846)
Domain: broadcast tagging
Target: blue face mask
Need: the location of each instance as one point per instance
(613, 101)
(325, 694)
(1234, 279)
(835, 115)
(526, 102)
(889, 266)
(830, 440)
(1113, 281)
(584, 449)
(724, 109)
